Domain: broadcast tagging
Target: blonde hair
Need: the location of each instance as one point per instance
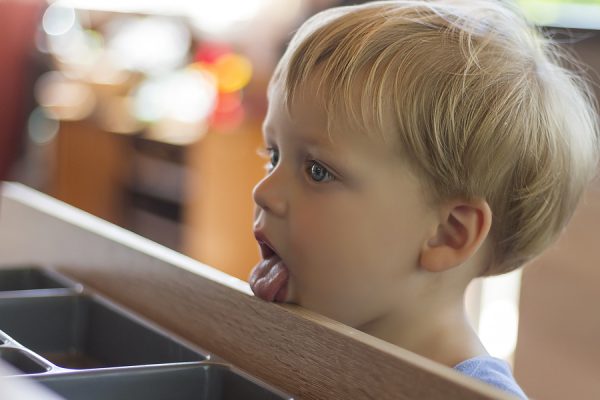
(477, 101)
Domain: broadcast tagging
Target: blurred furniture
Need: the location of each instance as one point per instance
(218, 216)
(196, 199)
(91, 169)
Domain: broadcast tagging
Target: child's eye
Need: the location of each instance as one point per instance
(319, 173)
(270, 154)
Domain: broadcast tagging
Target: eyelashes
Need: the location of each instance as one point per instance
(314, 169)
(267, 153)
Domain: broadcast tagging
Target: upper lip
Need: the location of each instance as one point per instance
(266, 248)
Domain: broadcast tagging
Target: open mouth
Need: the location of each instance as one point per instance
(269, 278)
(266, 251)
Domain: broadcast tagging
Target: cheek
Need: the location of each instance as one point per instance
(354, 258)
(342, 270)
(320, 241)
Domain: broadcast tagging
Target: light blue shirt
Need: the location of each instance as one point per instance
(493, 371)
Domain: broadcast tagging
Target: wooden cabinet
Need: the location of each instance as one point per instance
(196, 199)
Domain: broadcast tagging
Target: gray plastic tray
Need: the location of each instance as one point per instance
(83, 346)
(79, 331)
(30, 281)
(178, 382)
(22, 360)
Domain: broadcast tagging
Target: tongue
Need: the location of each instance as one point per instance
(272, 285)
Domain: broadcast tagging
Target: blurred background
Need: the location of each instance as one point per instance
(147, 113)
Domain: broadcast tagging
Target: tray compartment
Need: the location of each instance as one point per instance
(82, 332)
(21, 361)
(82, 346)
(32, 281)
(202, 381)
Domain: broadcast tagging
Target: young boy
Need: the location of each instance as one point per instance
(415, 146)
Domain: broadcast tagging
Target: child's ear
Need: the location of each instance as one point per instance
(462, 229)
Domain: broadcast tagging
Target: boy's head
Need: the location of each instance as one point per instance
(415, 145)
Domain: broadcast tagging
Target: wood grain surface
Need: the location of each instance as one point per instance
(298, 351)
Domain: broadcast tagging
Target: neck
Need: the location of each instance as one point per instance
(438, 331)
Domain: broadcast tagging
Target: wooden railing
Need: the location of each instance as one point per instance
(301, 352)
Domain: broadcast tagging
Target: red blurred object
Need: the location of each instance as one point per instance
(228, 120)
(18, 23)
(228, 102)
(210, 52)
(229, 112)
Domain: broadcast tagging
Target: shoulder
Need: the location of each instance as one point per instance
(493, 371)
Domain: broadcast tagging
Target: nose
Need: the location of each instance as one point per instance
(270, 193)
